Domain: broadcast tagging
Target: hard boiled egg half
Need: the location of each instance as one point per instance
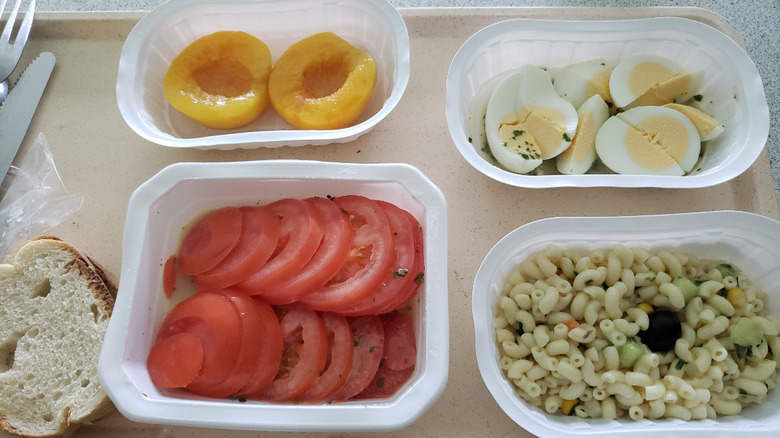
(526, 121)
(579, 81)
(649, 140)
(643, 80)
(580, 156)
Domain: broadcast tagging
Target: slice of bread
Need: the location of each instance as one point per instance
(55, 304)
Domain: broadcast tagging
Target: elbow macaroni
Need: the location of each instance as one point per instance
(549, 360)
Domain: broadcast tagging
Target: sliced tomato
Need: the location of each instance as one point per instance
(259, 236)
(400, 343)
(385, 383)
(169, 276)
(326, 262)
(416, 275)
(305, 354)
(213, 319)
(249, 350)
(209, 240)
(369, 341)
(370, 258)
(301, 234)
(271, 342)
(401, 275)
(339, 363)
(175, 361)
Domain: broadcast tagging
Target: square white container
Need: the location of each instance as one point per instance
(156, 212)
(372, 25)
(748, 240)
(731, 81)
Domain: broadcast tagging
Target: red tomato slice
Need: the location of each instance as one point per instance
(417, 275)
(400, 342)
(370, 258)
(301, 234)
(169, 276)
(259, 236)
(326, 262)
(249, 351)
(401, 274)
(209, 240)
(213, 319)
(385, 383)
(305, 354)
(175, 361)
(369, 341)
(339, 363)
(271, 341)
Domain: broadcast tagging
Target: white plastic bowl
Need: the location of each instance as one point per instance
(731, 81)
(156, 212)
(372, 25)
(748, 240)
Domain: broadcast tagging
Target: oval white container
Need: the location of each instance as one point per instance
(732, 90)
(372, 25)
(748, 240)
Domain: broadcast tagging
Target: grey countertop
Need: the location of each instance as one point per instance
(756, 20)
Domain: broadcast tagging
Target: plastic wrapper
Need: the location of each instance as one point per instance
(33, 198)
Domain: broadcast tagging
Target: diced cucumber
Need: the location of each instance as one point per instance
(728, 270)
(630, 352)
(747, 333)
(688, 288)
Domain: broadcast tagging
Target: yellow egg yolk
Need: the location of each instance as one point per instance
(646, 75)
(703, 122)
(583, 139)
(598, 84)
(666, 91)
(546, 125)
(657, 142)
(516, 138)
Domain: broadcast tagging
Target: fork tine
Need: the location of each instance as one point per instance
(24, 30)
(9, 25)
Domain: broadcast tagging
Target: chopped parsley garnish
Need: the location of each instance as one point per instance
(400, 273)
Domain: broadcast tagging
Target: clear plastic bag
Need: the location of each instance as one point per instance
(33, 198)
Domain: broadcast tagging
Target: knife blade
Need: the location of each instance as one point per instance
(17, 111)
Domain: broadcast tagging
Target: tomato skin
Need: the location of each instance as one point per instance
(401, 275)
(175, 361)
(340, 352)
(400, 343)
(385, 383)
(271, 341)
(169, 276)
(416, 275)
(258, 239)
(213, 319)
(301, 234)
(305, 354)
(372, 256)
(325, 263)
(369, 337)
(209, 240)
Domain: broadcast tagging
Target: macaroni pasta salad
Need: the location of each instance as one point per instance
(643, 333)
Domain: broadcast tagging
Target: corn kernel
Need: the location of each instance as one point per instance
(736, 297)
(567, 406)
(645, 307)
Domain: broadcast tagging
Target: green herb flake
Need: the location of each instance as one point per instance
(680, 364)
(401, 273)
(566, 137)
(419, 278)
(698, 97)
(380, 382)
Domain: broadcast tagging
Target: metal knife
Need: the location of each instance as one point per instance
(17, 111)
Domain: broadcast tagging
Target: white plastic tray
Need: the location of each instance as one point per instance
(731, 89)
(748, 240)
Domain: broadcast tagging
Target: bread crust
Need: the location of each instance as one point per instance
(102, 286)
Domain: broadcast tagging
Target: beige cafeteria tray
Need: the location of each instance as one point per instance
(98, 156)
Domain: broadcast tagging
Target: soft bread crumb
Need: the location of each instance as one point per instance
(54, 311)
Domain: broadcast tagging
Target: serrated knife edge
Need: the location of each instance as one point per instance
(17, 111)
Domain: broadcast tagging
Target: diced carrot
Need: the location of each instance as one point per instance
(572, 324)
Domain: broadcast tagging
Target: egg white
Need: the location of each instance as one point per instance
(654, 157)
(654, 71)
(577, 82)
(592, 115)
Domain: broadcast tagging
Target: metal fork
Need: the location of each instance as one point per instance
(10, 53)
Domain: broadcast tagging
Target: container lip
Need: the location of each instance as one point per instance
(647, 231)
(115, 368)
(527, 29)
(138, 41)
